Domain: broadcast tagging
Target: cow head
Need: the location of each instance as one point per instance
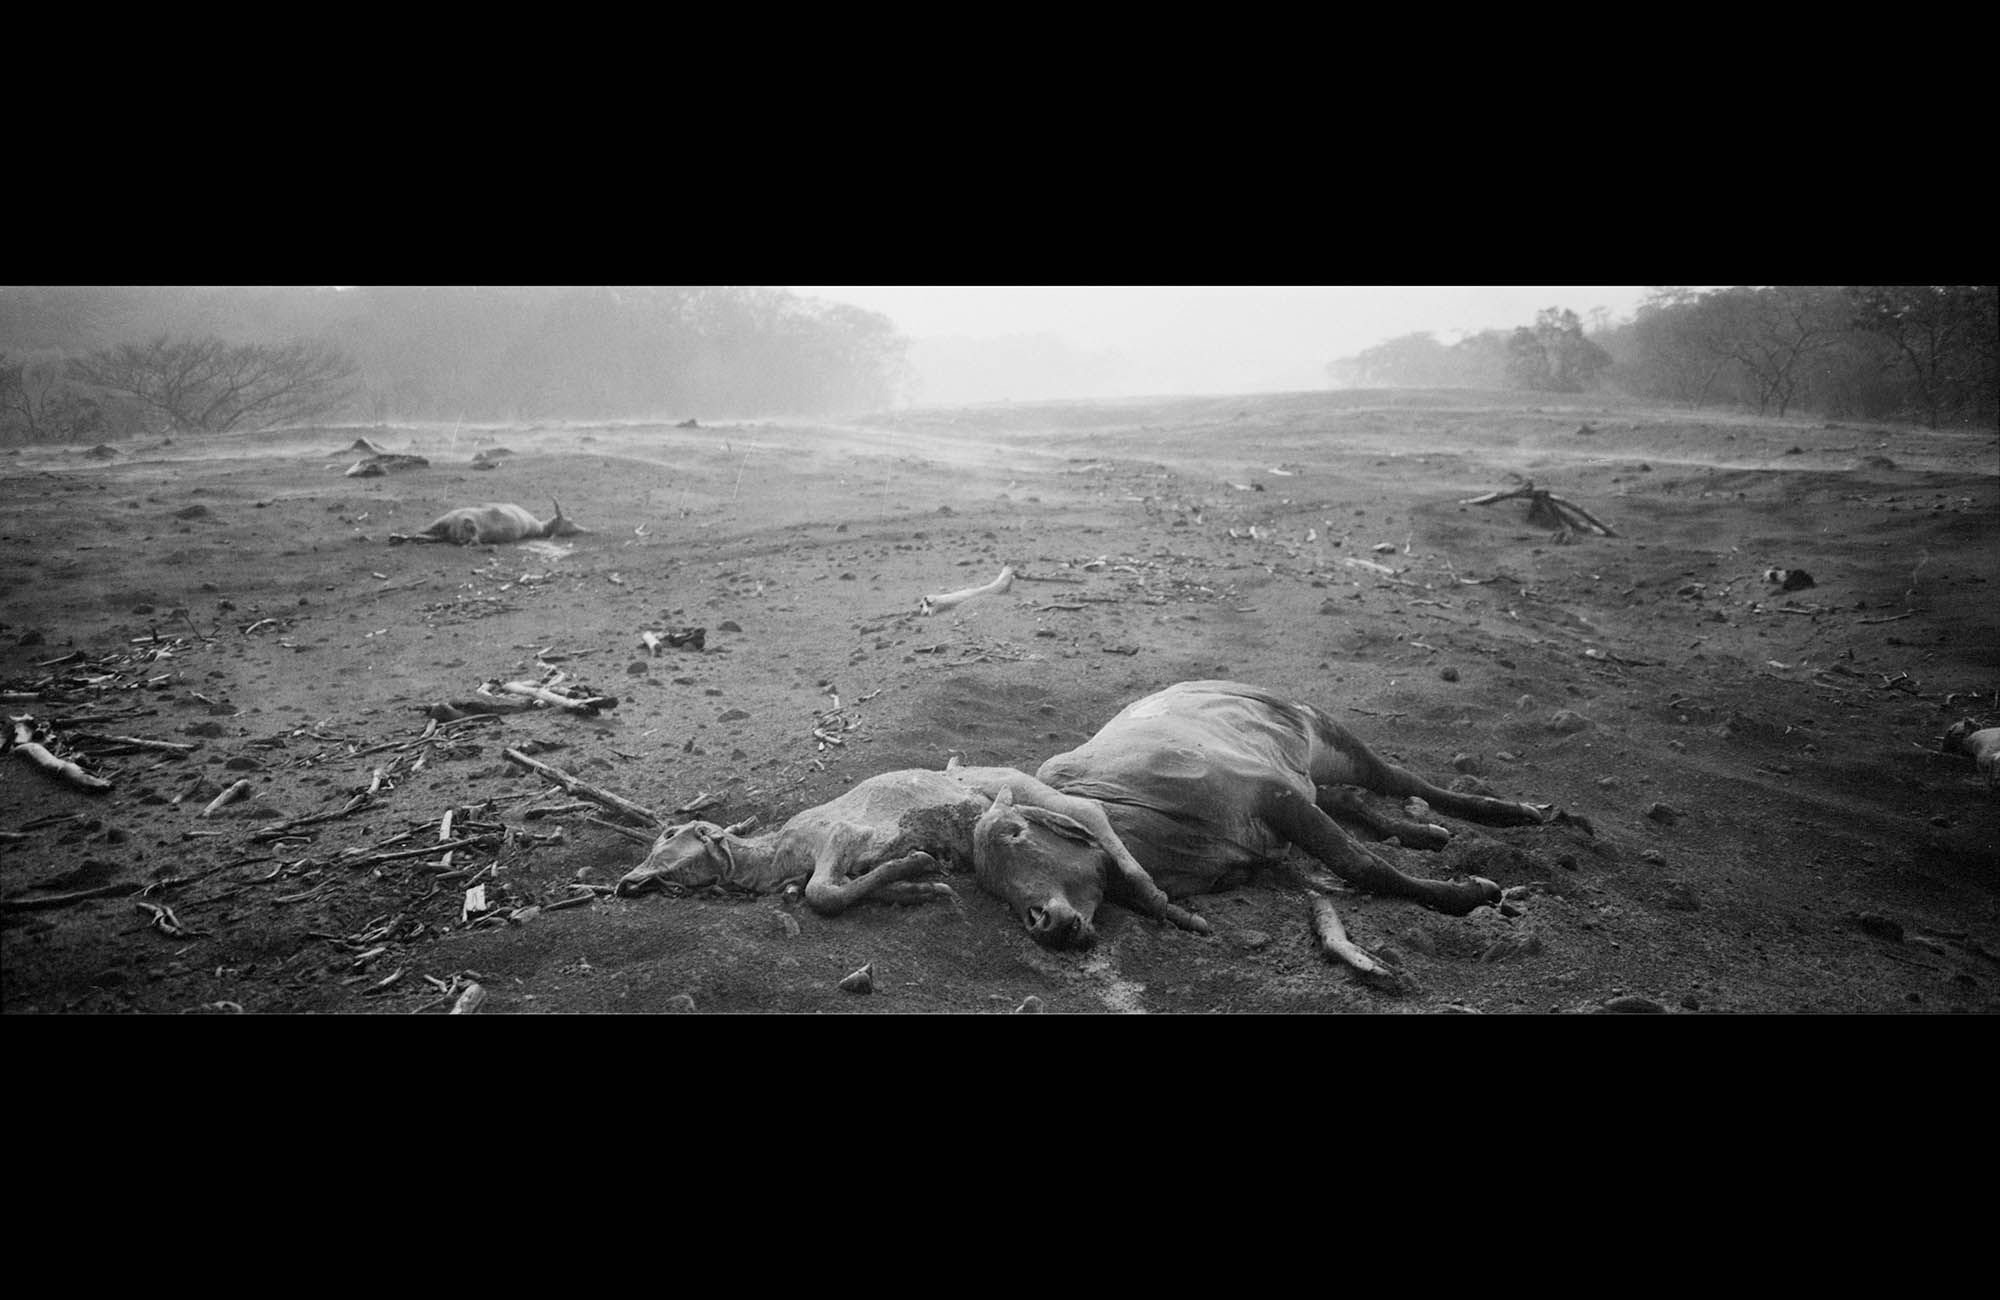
(1045, 866)
(562, 525)
(684, 857)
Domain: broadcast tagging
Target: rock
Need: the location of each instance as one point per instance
(733, 715)
(1250, 940)
(787, 924)
(680, 1002)
(1879, 926)
(1030, 1006)
(861, 981)
(1448, 673)
(1470, 763)
(1567, 722)
(1633, 1003)
(1664, 813)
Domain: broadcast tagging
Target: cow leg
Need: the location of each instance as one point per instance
(1387, 778)
(1304, 824)
(831, 891)
(1342, 802)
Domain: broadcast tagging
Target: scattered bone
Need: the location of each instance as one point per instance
(235, 792)
(34, 752)
(589, 705)
(469, 1001)
(688, 636)
(931, 604)
(1333, 941)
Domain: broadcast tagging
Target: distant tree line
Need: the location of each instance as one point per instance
(87, 362)
(1924, 352)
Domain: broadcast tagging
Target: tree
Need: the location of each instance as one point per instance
(36, 405)
(1554, 356)
(1670, 358)
(207, 385)
(1769, 333)
(1945, 340)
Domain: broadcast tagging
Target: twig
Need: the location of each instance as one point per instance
(583, 788)
(64, 900)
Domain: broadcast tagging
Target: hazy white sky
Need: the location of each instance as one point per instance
(1206, 338)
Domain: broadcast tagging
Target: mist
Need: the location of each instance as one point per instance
(1034, 342)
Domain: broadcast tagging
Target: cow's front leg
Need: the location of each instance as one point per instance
(832, 891)
(1302, 823)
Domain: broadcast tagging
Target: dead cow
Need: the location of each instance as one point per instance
(1982, 743)
(870, 842)
(1206, 781)
(491, 525)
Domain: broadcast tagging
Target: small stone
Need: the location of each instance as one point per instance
(637, 668)
(681, 1003)
(1030, 1006)
(1469, 763)
(1664, 813)
(861, 981)
(1632, 1002)
(1567, 721)
(733, 715)
(728, 625)
(787, 924)
(1654, 856)
(1251, 940)
(1448, 673)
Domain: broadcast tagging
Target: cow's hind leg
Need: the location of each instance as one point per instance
(1342, 802)
(1306, 825)
(1390, 779)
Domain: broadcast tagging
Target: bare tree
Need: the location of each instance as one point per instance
(211, 386)
(36, 405)
(1944, 337)
(1770, 332)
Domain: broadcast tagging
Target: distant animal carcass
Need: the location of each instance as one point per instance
(491, 525)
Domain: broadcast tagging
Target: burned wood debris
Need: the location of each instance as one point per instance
(1547, 509)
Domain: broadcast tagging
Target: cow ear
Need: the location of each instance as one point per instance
(1067, 827)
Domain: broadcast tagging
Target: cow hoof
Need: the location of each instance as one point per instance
(1475, 893)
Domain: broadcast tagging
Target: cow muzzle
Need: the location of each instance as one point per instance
(1058, 925)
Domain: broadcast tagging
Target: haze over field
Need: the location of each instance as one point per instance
(1033, 342)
